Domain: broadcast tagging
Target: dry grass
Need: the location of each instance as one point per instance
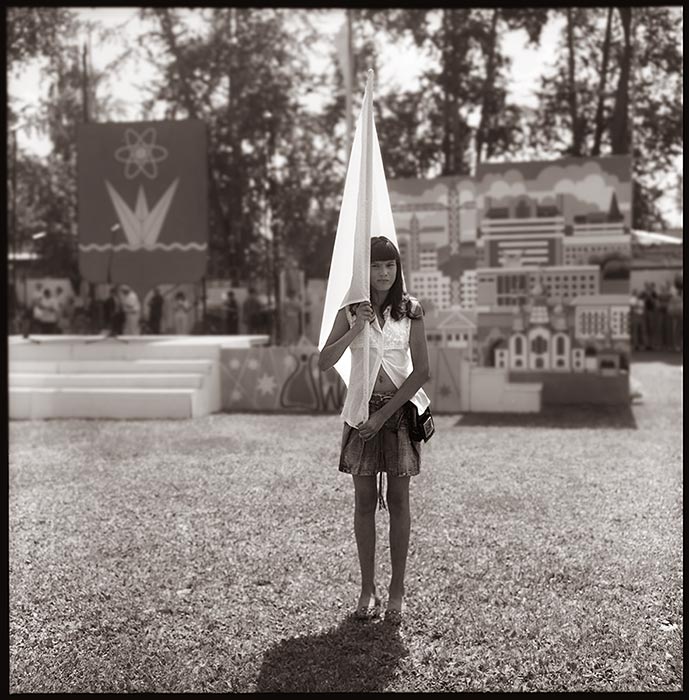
(189, 556)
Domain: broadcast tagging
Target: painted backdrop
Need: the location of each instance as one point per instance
(142, 195)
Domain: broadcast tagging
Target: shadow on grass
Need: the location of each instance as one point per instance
(571, 416)
(353, 657)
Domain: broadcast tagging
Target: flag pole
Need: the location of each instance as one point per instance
(366, 210)
(348, 81)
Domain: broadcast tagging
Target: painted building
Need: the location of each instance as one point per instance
(510, 286)
(431, 288)
(590, 334)
(435, 221)
(522, 227)
(601, 316)
(468, 289)
(451, 328)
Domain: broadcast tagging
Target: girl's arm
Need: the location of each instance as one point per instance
(342, 335)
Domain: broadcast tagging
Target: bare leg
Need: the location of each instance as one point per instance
(400, 524)
(365, 499)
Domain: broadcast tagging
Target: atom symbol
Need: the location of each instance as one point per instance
(141, 154)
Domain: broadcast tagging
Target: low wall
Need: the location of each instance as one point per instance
(577, 387)
(286, 379)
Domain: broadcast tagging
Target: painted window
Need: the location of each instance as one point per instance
(539, 345)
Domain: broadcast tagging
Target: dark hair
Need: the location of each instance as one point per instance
(400, 302)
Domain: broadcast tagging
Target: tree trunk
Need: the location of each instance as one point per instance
(447, 108)
(620, 134)
(232, 225)
(601, 89)
(488, 85)
(573, 110)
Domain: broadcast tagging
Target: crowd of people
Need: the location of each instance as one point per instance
(122, 313)
(657, 317)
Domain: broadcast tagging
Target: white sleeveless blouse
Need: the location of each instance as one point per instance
(389, 349)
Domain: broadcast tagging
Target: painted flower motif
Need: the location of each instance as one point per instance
(267, 384)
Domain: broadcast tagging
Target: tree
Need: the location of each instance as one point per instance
(639, 50)
(36, 32)
(605, 59)
(243, 73)
(619, 128)
(469, 80)
(499, 127)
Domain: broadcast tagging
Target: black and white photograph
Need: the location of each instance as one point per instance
(345, 349)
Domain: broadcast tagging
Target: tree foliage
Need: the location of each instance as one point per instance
(242, 74)
(36, 32)
(276, 166)
(627, 81)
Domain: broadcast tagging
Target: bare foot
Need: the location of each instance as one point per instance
(395, 600)
(368, 606)
(368, 599)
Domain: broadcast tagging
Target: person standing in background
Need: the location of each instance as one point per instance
(636, 310)
(675, 312)
(33, 310)
(132, 311)
(111, 312)
(252, 312)
(663, 316)
(231, 314)
(649, 297)
(180, 314)
(64, 310)
(291, 320)
(48, 313)
(155, 311)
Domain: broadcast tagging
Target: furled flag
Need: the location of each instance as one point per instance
(365, 212)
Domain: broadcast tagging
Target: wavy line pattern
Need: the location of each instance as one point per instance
(89, 247)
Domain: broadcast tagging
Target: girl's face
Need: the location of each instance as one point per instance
(383, 274)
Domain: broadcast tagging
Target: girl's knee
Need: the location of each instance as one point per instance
(398, 506)
(365, 503)
(398, 499)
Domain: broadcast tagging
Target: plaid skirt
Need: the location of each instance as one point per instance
(390, 450)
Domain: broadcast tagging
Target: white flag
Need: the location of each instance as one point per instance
(365, 212)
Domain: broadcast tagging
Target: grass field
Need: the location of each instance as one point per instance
(218, 555)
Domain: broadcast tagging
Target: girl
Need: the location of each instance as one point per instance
(398, 360)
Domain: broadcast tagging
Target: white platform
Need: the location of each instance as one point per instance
(131, 377)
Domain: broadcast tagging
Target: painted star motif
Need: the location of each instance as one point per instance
(252, 364)
(235, 363)
(141, 154)
(267, 384)
(236, 395)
